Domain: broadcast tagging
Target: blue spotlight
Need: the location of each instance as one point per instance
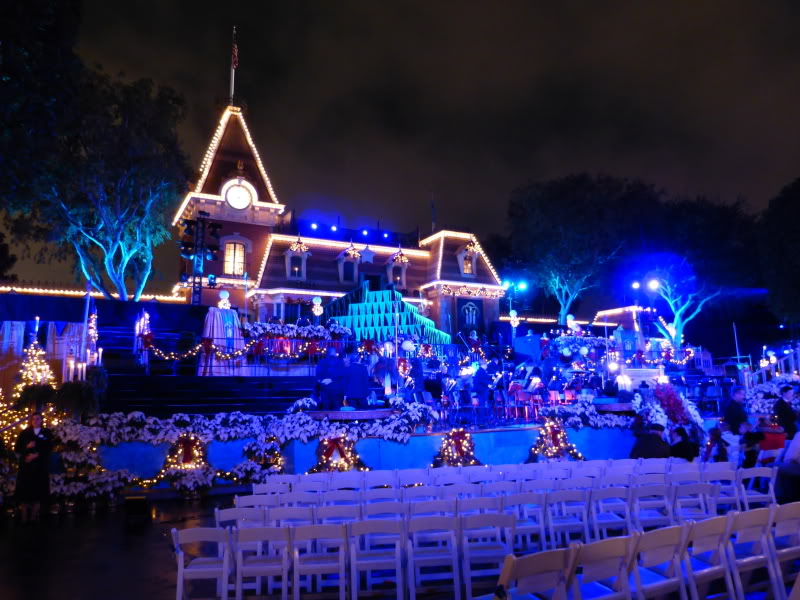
(522, 286)
(636, 285)
(334, 228)
(364, 232)
(506, 284)
(314, 226)
(386, 235)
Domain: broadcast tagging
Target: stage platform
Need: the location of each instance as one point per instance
(504, 445)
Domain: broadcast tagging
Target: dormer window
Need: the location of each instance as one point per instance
(468, 259)
(296, 260)
(347, 262)
(396, 267)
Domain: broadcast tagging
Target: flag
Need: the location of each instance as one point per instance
(234, 52)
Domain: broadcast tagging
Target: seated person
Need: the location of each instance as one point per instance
(716, 448)
(749, 444)
(682, 446)
(651, 444)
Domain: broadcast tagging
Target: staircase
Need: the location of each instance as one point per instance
(373, 316)
(788, 364)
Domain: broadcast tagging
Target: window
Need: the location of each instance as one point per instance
(234, 258)
(296, 266)
(468, 267)
(397, 275)
(348, 272)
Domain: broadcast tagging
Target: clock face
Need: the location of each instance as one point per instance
(238, 196)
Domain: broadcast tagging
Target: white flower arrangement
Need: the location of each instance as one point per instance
(575, 342)
(191, 480)
(292, 331)
(761, 398)
(584, 414)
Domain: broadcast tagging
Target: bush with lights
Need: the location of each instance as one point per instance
(552, 444)
(337, 454)
(457, 450)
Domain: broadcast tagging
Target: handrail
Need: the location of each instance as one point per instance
(789, 363)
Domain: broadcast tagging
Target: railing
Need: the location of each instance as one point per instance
(786, 364)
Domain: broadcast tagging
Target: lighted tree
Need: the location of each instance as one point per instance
(552, 443)
(34, 370)
(686, 298)
(567, 230)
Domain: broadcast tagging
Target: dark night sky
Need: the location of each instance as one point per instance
(366, 108)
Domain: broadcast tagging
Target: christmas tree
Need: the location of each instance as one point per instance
(552, 444)
(457, 450)
(34, 371)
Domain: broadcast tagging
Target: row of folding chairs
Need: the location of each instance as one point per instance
(415, 553)
(544, 518)
(739, 489)
(443, 550)
(362, 480)
(686, 560)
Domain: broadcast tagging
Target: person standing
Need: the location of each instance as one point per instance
(651, 444)
(682, 446)
(356, 388)
(33, 477)
(330, 377)
(787, 418)
(481, 383)
(734, 413)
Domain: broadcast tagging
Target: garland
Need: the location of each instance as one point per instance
(457, 450)
(552, 444)
(337, 455)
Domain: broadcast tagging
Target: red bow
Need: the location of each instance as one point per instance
(459, 441)
(336, 444)
(369, 346)
(207, 343)
(259, 348)
(147, 339)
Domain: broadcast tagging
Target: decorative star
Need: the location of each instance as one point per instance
(367, 255)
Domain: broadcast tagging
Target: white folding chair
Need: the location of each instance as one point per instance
(432, 553)
(575, 483)
(613, 480)
(749, 548)
(610, 511)
(786, 537)
(484, 476)
(727, 481)
(448, 478)
(529, 510)
(369, 557)
(340, 497)
(538, 486)
(694, 501)
(499, 488)
(385, 510)
(604, 568)
(470, 469)
(652, 465)
(381, 494)
(567, 513)
(706, 557)
(486, 539)
(262, 500)
(651, 506)
(336, 514)
(649, 479)
(218, 565)
(319, 550)
(283, 478)
(718, 466)
(271, 558)
(757, 486)
(657, 564)
(471, 506)
(271, 487)
(768, 457)
(548, 574)
(420, 492)
(380, 479)
(685, 467)
(674, 478)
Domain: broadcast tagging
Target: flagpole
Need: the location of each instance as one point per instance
(234, 60)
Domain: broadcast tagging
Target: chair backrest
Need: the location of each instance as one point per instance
(196, 535)
(432, 507)
(483, 504)
(683, 477)
(385, 510)
(382, 494)
(521, 501)
(420, 492)
(324, 477)
(271, 487)
(262, 534)
(332, 534)
(751, 525)
(309, 487)
(538, 485)
(418, 525)
(649, 479)
(786, 518)
(576, 483)
(379, 526)
(581, 470)
(412, 476)
(613, 479)
(600, 495)
(351, 480)
(374, 479)
(461, 490)
(653, 465)
(662, 545)
(338, 513)
(564, 496)
(608, 559)
(623, 462)
(724, 476)
(497, 526)
(718, 466)
(556, 472)
(263, 500)
(708, 535)
(499, 488)
(684, 467)
(282, 478)
(449, 478)
(484, 476)
(341, 497)
(542, 572)
(299, 499)
(283, 516)
(766, 457)
(239, 516)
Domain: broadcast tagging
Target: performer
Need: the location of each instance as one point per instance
(356, 389)
(481, 382)
(33, 478)
(330, 377)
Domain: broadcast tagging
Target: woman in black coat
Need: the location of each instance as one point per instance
(33, 477)
(682, 446)
(787, 418)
